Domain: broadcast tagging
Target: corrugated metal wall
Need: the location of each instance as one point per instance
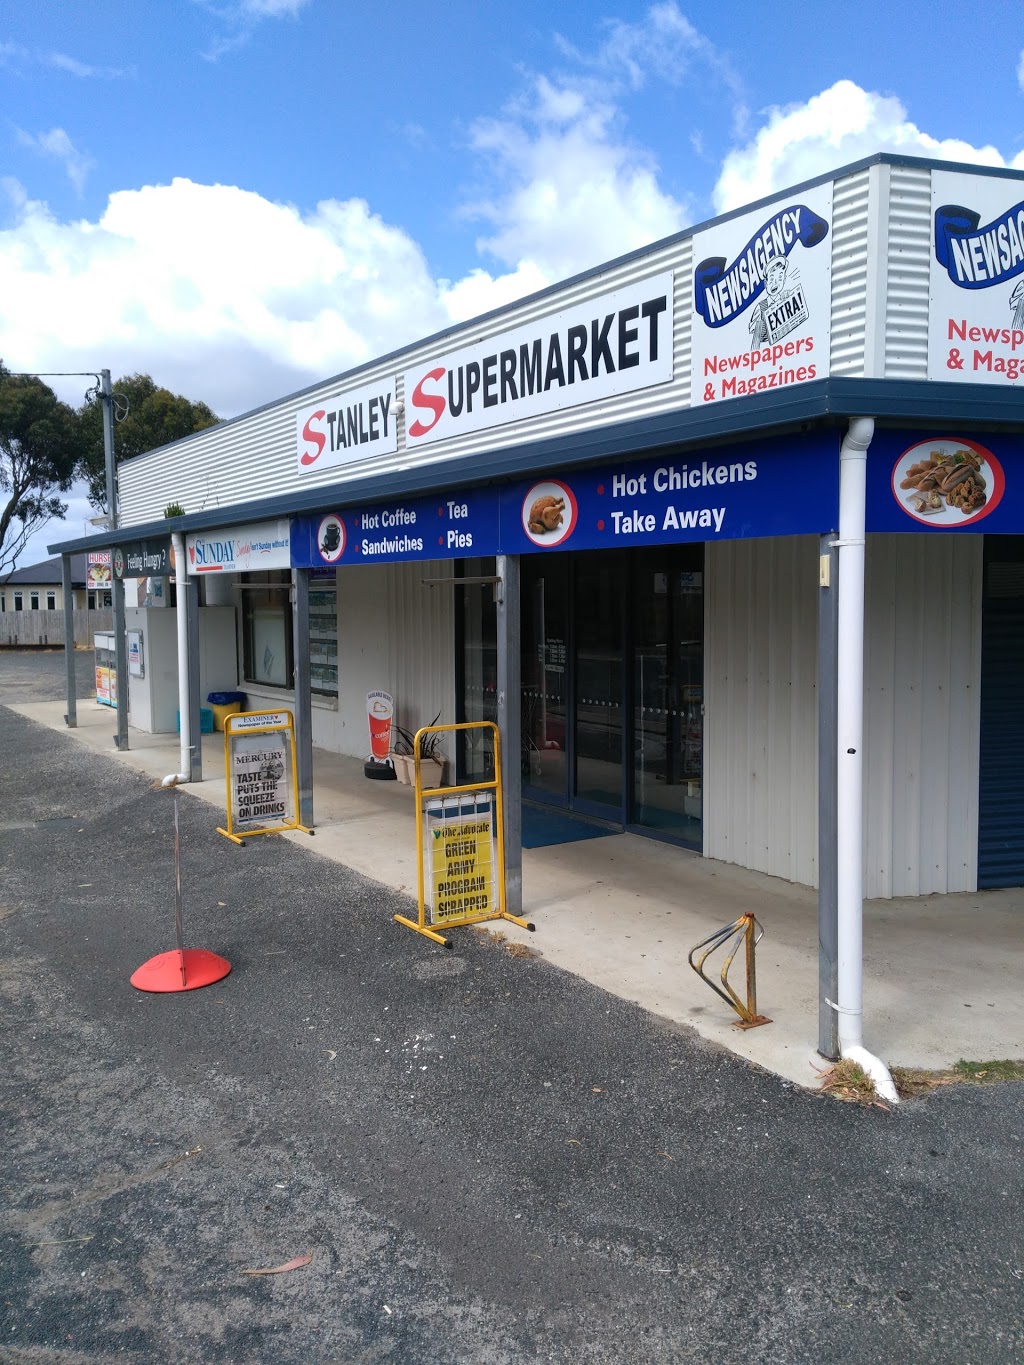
(254, 456)
(393, 633)
(922, 713)
(760, 723)
(907, 271)
(922, 706)
(851, 242)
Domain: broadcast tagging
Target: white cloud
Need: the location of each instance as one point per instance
(60, 61)
(570, 191)
(217, 292)
(241, 17)
(58, 145)
(664, 44)
(837, 126)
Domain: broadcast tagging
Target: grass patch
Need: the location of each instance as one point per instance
(986, 1073)
(912, 1082)
(848, 1081)
(520, 950)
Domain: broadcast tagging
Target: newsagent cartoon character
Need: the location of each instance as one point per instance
(1017, 304)
(775, 288)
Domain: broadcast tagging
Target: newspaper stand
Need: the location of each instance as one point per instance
(262, 781)
(460, 848)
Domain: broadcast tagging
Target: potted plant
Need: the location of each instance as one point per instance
(431, 752)
(402, 757)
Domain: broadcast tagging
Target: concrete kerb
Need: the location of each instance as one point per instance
(941, 973)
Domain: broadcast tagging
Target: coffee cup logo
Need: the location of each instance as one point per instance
(330, 538)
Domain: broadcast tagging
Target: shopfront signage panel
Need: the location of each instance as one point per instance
(781, 487)
(762, 299)
(442, 527)
(976, 318)
(353, 426)
(99, 569)
(241, 549)
(611, 345)
(945, 483)
(143, 559)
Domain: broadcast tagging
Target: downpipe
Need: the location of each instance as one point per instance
(850, 765)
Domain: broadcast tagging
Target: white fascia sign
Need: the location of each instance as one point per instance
(976, 312)
(241, 549)
(762, 298)
(610, 345)
(354, 426)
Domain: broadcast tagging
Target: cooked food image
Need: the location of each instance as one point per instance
(546, 515)
(946, 480)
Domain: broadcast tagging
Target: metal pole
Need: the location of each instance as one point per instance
(120, 641)
(71, 715)
(850, 734)
(828, 910)
(195, 701)
(107, 401)
(303, 695)
(121, 661)
(510, 726)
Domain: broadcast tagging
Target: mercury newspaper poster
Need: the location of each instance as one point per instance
(976, 318)
(461, 849)
(261, 780)
(762, 299)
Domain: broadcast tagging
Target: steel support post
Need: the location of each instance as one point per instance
(195, 700)
(510, 726)
(828, 876)
(303, 696)
(121, 665)
(71, 715)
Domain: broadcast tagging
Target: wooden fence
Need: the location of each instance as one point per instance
(33, 629)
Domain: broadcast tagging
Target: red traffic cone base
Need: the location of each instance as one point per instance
(164, 972)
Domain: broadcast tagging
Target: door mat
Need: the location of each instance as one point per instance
(543, 827)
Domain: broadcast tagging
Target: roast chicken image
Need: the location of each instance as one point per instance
(546, 515)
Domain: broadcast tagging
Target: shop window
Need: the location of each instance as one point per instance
(108, 600)
(323, 639)
(92, 601)
(51, 601)
(18, 601)
(267, 628)
(33, 600)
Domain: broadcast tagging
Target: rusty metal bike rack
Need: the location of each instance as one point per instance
(745, 929)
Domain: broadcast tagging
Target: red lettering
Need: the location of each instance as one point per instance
(315, 437)
(435, 402)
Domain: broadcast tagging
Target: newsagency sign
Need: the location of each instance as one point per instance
(611, 345)
(762, 299)
(976, 318)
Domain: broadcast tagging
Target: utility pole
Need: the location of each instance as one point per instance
(120, 639)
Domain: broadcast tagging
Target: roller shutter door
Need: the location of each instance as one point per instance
(1001, 791)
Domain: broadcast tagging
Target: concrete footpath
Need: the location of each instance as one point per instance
(942, 973)
(486, 1160)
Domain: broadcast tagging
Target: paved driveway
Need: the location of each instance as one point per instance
(488, 1158)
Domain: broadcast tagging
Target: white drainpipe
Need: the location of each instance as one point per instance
(850, 767)
(180, 574)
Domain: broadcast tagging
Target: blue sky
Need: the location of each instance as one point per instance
(244, 197)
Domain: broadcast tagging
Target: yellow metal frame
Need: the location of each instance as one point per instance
(746, 930)
(229, 730)
(466, 789)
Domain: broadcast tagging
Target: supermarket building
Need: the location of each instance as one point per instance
(728, 534)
